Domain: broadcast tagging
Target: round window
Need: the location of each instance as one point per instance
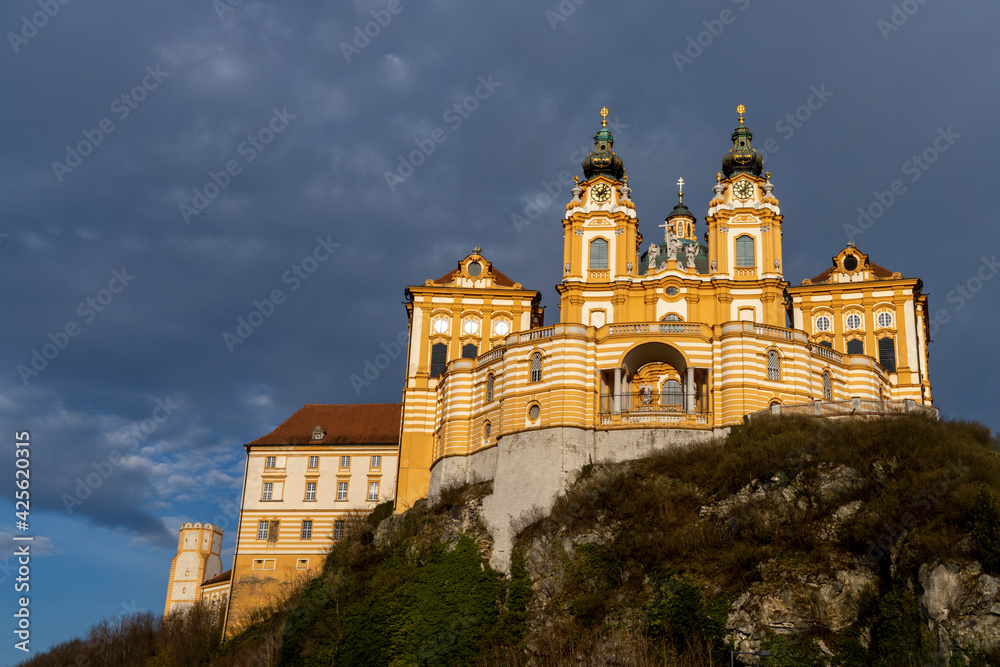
(471, 327)
(534, 411)
(501, 328)
(672, 291)
(850, 263)
(822, 323)
(474, 269)
(853, 321)
(441, 325)
(884, 320)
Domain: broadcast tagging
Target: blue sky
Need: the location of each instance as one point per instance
(214, 146)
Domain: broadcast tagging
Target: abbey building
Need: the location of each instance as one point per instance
(662, 340)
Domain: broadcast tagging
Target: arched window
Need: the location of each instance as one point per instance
(855, 346)
(439, 359)
(773, 365)
(536, 367)
(887, 353)
(672, 394)
(599, 254)
(827, 386)
(490, 381)
(744, 252)
(470, 351)
(827, 344)
(672, 317)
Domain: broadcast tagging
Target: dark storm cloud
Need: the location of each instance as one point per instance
(496, 99)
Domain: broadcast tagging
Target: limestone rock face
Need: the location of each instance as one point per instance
(788, 602)
(962, 604)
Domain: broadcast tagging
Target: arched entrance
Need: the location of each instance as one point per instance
(654, 382)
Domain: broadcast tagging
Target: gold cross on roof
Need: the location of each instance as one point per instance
(741, 110)
(604, 117)
(680, 189)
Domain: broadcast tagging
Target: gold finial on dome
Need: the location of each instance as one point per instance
(604, 117)
(718, 177)
(625, 177)
(477, 250)
(741, 110)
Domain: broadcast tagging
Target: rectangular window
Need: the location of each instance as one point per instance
(262, 529)
(439, 359)
(307, 529)
(341, 490)
(268, 490)
(745, 256)
(310, 490)
(263, 563)
(887, 354)
(345, 461)
(372, 490)
(599, 254)
(313, 461)
(302, 564)
(338, 529)
(269, 461)
(376, 461)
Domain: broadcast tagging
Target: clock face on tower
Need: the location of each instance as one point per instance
(601, 193)
(743, 190)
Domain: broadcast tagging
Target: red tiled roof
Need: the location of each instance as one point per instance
(498, 278)
(225, 576)
(369, 424)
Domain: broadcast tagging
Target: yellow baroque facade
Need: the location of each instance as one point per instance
(658, 344)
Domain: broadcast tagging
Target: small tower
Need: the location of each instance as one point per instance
(199, 558)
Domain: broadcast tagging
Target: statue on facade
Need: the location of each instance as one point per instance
(651, 255)
(673, 245)
(647, 394)
(692, 252)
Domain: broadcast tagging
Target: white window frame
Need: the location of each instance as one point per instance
(262, 528)
(888, 317)
(827, 320)
(345, 461)
(306, 532)
(854, 326)
(313, 461)
(338, 529)
(267, 492)
(376, 461)
(373, 486)
(270, 461)
(311, 492)
(342, 488)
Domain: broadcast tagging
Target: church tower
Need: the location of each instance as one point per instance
(600, 239)
(198, 559)
(744, 233)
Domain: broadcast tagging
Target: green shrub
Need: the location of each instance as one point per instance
(678, 614)
(901, 636)
(985, 519)
(794, 651)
